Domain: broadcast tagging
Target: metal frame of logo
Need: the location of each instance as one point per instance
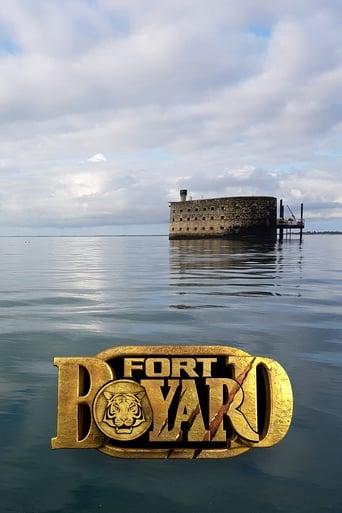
(171, 401)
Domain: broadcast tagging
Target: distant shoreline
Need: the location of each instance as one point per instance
(90, 235)
(336, 232)
(134, 235)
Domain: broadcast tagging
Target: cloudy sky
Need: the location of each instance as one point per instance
(109, 107)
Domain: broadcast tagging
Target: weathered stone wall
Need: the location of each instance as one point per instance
(223, 217)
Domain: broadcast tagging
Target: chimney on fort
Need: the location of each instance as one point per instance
(183, 194)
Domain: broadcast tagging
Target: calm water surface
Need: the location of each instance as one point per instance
(77, 296)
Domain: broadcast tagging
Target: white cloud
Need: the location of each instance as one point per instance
(98, 157)
(236, 98)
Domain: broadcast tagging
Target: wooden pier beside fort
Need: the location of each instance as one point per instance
(291, 223)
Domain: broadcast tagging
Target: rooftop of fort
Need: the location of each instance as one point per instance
(220, 198)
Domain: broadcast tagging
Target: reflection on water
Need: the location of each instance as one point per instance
(227, 268)
(77, 296)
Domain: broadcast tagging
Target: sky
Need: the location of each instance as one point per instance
(109, 107)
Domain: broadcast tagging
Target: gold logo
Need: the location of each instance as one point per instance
(172, 402)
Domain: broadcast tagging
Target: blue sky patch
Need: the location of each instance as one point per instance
(262, 31)
(8, 44)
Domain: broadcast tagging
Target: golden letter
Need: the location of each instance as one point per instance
(150, 367)
(278, 400)
(72, 399)
(188, 410)
(186, 364)
(131, 364)
(160, 406)
(231, 407)
(206, 363)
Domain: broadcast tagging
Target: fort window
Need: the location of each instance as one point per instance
(189, 210)
(180, 229)
(181, 210)
(204, 208)
(222, 217)
(173, 229)
(187, 229)
(212, 208)
(222, 208)
(211, 228)
(181, 219)
(222, 227)
(196, 209)
(203, 218)
(173, 219)
(188, 218)
(195, 228)
(195, 218)
(203, 228)
(212, 217)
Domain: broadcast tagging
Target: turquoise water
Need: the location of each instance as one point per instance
(77, 296)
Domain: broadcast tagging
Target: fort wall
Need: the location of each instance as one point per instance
(223, 217)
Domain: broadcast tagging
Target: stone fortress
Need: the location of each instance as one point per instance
(223, 217)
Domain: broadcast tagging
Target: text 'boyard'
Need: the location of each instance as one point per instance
(171, 402)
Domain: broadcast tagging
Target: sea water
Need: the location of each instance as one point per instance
(75, 296)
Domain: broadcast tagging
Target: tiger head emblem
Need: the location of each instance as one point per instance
(124, 411)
